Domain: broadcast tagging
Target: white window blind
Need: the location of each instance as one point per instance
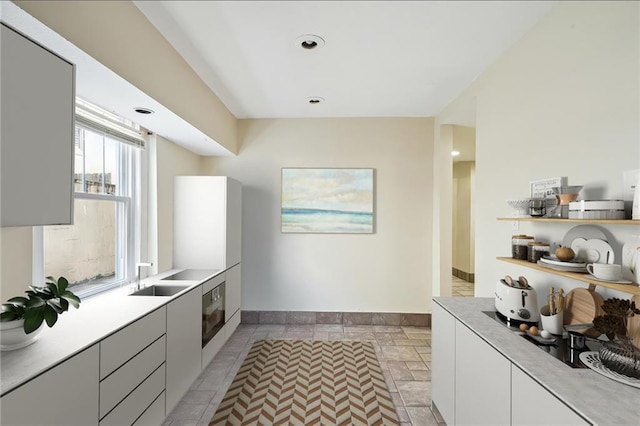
(98, 119)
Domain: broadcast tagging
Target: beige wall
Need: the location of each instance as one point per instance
(388, 271)
(167, 160)
(120, 37)
(463, 231)
(564, 101)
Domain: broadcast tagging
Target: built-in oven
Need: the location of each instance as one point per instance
(212, 312)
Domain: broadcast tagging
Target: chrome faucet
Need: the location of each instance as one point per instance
(138, 266)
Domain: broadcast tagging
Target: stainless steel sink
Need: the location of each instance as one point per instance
(159, 290)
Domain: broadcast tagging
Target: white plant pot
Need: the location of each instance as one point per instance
(12, 335)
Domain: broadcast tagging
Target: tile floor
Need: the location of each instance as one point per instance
(404, 354)
(461, 288)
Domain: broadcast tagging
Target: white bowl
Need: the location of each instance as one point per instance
(521, 205)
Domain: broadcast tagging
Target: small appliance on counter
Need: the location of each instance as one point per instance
(516, 300)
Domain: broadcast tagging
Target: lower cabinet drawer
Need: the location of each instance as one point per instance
(122, 381)
(231, 325)
(137, 402)
(121, 346)
(212, 348)
(154, 415)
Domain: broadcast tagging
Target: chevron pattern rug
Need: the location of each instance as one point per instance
(307, 382)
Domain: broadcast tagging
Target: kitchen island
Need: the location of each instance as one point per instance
(486, 372)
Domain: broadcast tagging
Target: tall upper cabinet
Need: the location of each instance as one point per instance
(37, 91)
(207, 221)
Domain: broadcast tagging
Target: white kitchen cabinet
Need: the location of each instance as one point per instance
(137, 402)
(37, 133)
(533, 405)
(231, 325)
(65, 395)
(212, 348)
(233, 292)
(207, 219)
(133, 369)
(443, 358)
(482, 381)
(123, 345)
(125, 379)
(154, 415)
(184, 345)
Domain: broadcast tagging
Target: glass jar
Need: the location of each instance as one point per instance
(537, 249)
(519, 246)
(537, 207)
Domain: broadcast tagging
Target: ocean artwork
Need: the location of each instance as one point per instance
(327, 201)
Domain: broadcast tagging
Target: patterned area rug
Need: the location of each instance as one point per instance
(306, 382)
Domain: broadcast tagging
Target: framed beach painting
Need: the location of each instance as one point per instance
(331, 201)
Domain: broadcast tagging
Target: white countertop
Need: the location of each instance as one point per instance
(600, 400)
(77, 329)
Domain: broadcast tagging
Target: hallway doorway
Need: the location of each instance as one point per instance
(463, 218)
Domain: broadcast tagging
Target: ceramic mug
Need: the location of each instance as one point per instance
(605, 271)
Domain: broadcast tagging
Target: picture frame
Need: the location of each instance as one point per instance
(327, 200)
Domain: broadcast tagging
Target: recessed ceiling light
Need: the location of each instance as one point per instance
(314, 100)
(309, 42)
(142, 110)
(455, 153)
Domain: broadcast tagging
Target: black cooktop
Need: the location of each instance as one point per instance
(191, 275)
(558, 347)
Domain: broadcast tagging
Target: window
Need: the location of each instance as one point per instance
(98, 251)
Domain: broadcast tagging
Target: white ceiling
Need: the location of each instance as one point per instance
(381, 58)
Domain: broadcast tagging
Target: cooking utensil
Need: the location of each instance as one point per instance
(581, 306)
(560, 301)
(552, 303)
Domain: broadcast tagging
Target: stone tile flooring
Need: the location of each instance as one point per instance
(404, 354)
(461, 288)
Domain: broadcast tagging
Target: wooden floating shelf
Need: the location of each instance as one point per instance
(628, 288)
(561, 220)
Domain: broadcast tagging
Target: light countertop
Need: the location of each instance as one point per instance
(77, 329)
(598, 399)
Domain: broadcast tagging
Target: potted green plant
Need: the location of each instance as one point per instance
(22, 317)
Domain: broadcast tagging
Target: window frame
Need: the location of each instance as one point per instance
(128, 216)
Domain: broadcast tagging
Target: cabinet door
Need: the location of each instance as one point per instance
(37, 104)
(482, 383)
(443, 351)
(65, 395)
(184, 345)
(533, 405)
(234, 223)
(233, 292)
(207, 222)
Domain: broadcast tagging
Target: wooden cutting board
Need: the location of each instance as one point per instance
(633, 325)
(581, 306)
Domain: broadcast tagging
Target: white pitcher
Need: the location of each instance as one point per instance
(631, 259)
